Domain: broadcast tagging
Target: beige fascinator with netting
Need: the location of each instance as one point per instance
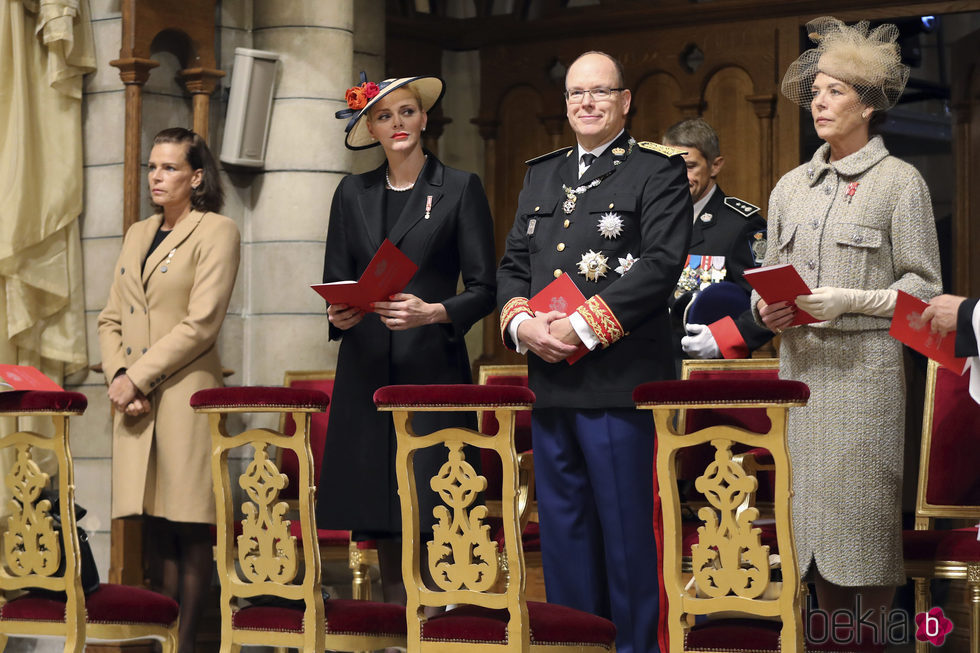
(870, 62)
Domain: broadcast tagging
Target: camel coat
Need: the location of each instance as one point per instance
(161, 327)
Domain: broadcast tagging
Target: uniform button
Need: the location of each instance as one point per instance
(131, 310)
(122, 270)
(144, 350)
(827, 190)
(561, 247)
(537, 208)
(612, 204)
(129, 351)
(567, 222)
(857, 238)
(815, 224)
(557, 272)
(812, 265)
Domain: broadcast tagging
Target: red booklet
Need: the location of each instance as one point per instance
(25, 377)
(908, 328)
(388, 273)
(561, 295)
(781, 283)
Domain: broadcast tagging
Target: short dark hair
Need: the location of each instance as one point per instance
(694, 132)
(209, 195)
(620, 80)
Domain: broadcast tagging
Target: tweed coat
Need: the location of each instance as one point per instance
(865, 222)
(161, 327)
(357, 489)
(648, 191)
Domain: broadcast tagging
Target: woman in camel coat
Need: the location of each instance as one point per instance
(158, 332)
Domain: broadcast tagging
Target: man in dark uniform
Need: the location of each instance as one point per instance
(614, 215)
(729, 235)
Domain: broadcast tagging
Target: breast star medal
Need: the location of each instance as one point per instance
(610, 225)
(625, 264)
(593, 265)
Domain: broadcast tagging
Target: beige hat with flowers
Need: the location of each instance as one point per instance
(870, 62)
(362, 97)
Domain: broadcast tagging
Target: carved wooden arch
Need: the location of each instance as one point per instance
(148, 27)
(657, 100)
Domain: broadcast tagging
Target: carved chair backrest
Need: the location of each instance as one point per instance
(270, 562)
(949, 485)
(33, 548)
(731, 566)
(462, 557)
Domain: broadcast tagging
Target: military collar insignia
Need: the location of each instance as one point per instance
(625, 264)
(706, 217)
(610, 225)
(618, 151)
(593, 265)
(620, 155)
(741, 207)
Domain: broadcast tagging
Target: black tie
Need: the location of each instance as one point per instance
(587, 159)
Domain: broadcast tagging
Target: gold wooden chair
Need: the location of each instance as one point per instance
(36, 556)
(731, 566)
(948, 488)
(271, 562)
(463, 558)
(334, 544)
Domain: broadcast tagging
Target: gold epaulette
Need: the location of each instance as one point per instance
(666, 150)
(538, 159)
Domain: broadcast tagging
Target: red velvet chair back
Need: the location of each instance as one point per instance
(949, 485)
(491, 469)
(323, 381)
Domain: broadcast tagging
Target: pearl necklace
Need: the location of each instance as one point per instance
(401, 189)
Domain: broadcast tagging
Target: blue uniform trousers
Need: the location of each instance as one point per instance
(593, 474)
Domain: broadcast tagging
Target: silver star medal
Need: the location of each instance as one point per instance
(610, 225)
(593, 265)
(625, 264)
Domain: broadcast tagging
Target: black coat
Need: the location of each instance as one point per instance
(737, 231)
(648, 190)
(357, 487)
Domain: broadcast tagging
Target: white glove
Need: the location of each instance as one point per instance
(700, 343)
(828, 303)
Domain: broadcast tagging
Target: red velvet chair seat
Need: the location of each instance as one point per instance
(717, 391)
(259, 397)
(463, 396)
(342, 616)
(324, 536)
(110, 604)
(42, 401)
(734, 635)
(549, 624)
(960, 545)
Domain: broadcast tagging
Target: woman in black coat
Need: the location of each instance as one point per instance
(439, 217)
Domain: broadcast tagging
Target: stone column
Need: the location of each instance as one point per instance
(285, 325)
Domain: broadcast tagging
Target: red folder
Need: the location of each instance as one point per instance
(25, 377)
(781, 283)
(388, 273)
(561, 295)
(908, 328)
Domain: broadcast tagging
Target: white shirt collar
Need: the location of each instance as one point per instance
(597, 151)
(703, 202)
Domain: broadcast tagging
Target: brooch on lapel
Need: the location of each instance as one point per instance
(593, 265)
(163, 268)
(610, 225)
(428, 206)
(851, 189)
(625, 264)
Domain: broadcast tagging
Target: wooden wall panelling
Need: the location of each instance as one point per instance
(656, 106)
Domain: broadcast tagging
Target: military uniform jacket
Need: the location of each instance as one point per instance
(735, 231)
(357, 487)
(162, 326)
(645, 194)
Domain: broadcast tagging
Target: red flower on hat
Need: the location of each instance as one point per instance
(370, 89)
(356, 98)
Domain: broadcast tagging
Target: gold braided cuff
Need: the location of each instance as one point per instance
(512, 309)
(601, 320)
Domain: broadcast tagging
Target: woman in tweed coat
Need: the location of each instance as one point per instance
(857, 224)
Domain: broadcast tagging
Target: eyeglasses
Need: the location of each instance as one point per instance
(598, 94)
